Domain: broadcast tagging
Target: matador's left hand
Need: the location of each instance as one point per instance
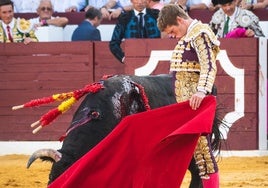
(196, 99)
(27, 40)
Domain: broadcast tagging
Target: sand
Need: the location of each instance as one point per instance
(248, 172)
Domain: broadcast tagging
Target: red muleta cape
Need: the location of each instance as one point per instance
(146, 150)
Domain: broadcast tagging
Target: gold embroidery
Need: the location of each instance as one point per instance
(185, 85)
(189, 66)
(199, 28)
(206, 45)
(203, 158)
(24, 25)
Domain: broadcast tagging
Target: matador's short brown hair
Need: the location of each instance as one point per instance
(168, 16)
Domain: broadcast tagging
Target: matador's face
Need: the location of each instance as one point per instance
(6, 13)
(177, 30)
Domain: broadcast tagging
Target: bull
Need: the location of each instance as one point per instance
(99, 113)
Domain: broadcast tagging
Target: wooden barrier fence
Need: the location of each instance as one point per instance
(42, 69)
(243, 54)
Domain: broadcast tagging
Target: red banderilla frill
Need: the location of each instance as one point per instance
(68, 100)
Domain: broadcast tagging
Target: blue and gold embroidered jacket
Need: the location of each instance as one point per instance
(127, 27)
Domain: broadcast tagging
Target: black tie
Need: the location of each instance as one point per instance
(141, 24)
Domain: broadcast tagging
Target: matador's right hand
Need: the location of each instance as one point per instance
(196, 99)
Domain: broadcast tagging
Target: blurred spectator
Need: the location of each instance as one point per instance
(68, 5)
(214, 5)
(189, 5)
(170, 1)
(111, 9)
(196, 4)
(59, 5)
(12, 29)
(253, 4)
(126, 5)
(114, 8)
(230, 17)
(87, 30)
(141, 22)
(81, 4)
(22, 6)
(95, 3)
(155, 4)
(245, 3)
(45, 11)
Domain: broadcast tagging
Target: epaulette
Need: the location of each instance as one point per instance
(24, 26)
(125, 17)
(153, 12)
(199, 28)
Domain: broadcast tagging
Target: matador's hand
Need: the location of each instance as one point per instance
(27, 40)
(196, 99)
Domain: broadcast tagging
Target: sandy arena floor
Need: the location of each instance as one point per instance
(248, 172)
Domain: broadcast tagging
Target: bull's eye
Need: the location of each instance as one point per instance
(94, 114)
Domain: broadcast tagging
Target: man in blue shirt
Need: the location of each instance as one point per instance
(87, 30)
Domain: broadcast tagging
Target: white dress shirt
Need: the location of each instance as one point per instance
(21, 6)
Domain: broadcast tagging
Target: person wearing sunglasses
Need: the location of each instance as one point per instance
(45, 11)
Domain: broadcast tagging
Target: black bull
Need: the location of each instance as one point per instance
(99, 113)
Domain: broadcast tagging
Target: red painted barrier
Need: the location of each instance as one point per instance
(42, 69)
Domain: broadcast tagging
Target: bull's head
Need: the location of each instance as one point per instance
(99, 113)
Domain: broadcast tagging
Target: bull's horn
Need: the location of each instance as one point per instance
(49, 154)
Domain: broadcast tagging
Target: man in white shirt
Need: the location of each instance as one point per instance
(113, 8)
(68, 5)
(96, 3)
(45, 11)
(21, 6)
(193, 4)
